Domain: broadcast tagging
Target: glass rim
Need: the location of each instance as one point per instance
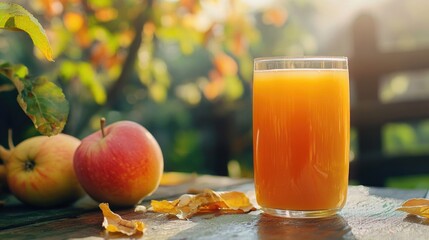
(301, 58)
(300, 63)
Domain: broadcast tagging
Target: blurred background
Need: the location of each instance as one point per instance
(183, 69)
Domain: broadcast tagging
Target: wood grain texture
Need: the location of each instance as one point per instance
(371, 214)
(368, 214)
(14, 214)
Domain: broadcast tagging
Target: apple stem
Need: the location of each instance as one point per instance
(4, 155)
(102, 124)
(10, 139)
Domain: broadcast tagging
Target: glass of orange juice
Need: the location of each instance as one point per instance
(301, 135)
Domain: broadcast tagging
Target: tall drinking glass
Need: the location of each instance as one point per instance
(301, 135)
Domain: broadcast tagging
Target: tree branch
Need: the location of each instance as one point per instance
(130, 60)
(128, 67)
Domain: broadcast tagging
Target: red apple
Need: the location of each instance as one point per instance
(120, 165)
(40, 170)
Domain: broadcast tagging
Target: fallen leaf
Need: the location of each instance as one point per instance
(236, 200)
(416, 206)
(208, 201)
(114, 223)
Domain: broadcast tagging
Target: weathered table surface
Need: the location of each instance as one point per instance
(369, 214)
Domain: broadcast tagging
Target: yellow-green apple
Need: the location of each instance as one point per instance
(40, 171)
(119, 164)
(4, 154)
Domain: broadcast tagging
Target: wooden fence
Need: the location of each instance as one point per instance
(367, 66)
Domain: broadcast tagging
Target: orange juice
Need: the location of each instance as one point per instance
(301, 128)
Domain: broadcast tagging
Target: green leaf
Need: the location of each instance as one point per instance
(234, 88)
(87, 76)
(13, 17)
(158, 92)
(68, 70)
(160, 72)
(100, 3)
(42, 101)
(45, 104)
(89, 79)
(246, 67)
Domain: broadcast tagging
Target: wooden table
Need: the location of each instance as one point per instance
(369, 214)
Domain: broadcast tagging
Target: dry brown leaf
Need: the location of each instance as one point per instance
(416, 206)
(176, 178)
(208, 201)
(114, 223)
